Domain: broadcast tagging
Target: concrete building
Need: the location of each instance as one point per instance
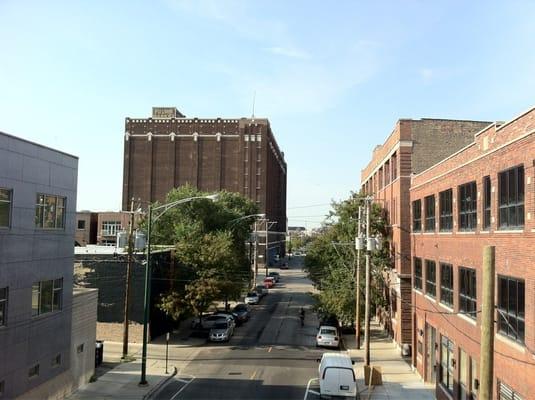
(481, 195)
(241, 155)
(37, 216)
(412, 147)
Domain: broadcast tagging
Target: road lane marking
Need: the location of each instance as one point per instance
(253, 375)
(270, 348)
(182, 388)
(308, 388)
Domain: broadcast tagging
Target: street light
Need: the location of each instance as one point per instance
(146, 302)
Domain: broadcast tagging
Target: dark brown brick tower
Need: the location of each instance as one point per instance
(238, 155)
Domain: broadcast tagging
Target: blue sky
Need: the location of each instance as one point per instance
(332, 77)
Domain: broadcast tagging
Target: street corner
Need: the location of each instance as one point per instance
(172, 387)
(313, 389)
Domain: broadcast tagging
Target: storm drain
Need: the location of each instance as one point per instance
(234, 373)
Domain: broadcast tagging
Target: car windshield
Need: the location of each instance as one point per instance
(220, 325)
(327, 331)
(241, 307)
(251, 294)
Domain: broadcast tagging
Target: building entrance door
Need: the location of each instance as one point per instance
(430, 354)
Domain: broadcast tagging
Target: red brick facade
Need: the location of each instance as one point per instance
(495, 149)
(238, 155)
(413, 146)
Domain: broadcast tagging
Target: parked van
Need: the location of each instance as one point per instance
(336, 375)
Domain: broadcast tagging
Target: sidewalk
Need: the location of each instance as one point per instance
(122, 382)
(399, 381)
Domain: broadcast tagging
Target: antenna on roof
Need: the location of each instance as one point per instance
(254, 99)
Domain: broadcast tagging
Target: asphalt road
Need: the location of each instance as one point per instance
(269, 357)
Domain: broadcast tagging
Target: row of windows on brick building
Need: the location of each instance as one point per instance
(511, 294)
(510, 205)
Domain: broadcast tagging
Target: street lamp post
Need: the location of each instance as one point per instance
(146, 301)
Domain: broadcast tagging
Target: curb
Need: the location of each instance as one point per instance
(159, 385)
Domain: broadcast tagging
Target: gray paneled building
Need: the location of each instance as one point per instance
(37, 215)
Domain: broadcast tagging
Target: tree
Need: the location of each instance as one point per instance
(210, 244)
(331, 258)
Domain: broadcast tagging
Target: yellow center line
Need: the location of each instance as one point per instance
(253, 375)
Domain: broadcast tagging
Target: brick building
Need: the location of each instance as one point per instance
(481, 195)
(413, 146)
(238, 155)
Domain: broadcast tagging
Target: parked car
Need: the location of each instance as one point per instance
(261, 290)
(336, 375)
(209, 321)
(241, 312)
(226, 314)
(221, 331)
(252, 298)
(275, 275)
(269, 282)
(328, 337)
(284, 265)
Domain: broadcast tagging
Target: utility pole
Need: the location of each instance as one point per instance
(128, 281)
(486, 373)
(255, 256)
(367, 293)
(357, 285)
(266, 250)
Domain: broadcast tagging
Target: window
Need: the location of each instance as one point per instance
(506, 393)
(430, 213)
(511, 198)
(430, 278)
(5, 207)
(486, 202)
(81, 224)
(47, 296)
(80, 348)
(3, 306)
(473, 378)
(2, 388)
(417, 215)
(446, 284)
(110, 228)
(394, 162)
(50, 212)
(417, 273)
(387, 172)
(467, 291)
(511, 307)
(56, 360)
(446, 210)
(468, 206)
(33, 371)
(464, 379)
(446, 363)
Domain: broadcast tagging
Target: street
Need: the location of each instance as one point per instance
(269, 357)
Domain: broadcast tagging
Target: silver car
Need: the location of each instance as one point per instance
(328, 337)
(221, 332)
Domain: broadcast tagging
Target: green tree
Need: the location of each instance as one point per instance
(331, 258)
(210, 243)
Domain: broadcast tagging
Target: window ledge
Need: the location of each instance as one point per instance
(418, 291)
(484, 232)
(445, 232)
(429, 297)
(429, 233)
(467, 318)
(466, 232)
(509, 231)
(445, 306)
(510, 342)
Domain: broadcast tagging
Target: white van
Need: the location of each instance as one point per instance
(336, 375)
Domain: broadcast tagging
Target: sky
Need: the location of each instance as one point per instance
(332, 77)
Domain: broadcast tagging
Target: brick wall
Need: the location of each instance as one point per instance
(493, 150)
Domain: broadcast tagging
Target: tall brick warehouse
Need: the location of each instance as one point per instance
(412, 147)
(241, 155)
(484, 194)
